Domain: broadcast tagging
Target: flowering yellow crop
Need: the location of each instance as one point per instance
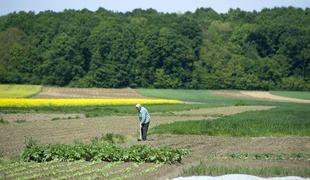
(23, 102)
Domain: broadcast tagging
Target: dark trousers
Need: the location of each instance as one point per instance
(144, 129)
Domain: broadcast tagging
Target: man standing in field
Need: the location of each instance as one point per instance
(144, 118)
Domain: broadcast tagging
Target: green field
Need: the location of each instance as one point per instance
(202, 96)
(283, 120)
(18, 91)
(293, 94)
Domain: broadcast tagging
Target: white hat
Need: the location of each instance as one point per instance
(138, 105)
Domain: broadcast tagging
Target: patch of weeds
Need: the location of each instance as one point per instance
(186, 115)
(168, 113)
(268, 156)
(20, 121)
(73, 117)
(30, 142)
(56, 118)
(88, 115)
(109, 138)
(1, 155)
(240, 103)
(219, 115)
(77, 141)
(2, 121)
(69, 117)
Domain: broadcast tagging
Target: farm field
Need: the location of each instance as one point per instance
(18, 91)
(280, 151)
(293, 94)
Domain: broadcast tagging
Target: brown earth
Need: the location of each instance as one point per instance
(258, 95)
(64, 130)
(222, 110)
(202, 146)
(269, 96)
(39, 116)
(58, 92)
(229, 93)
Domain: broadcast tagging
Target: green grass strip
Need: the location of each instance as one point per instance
(289, 120)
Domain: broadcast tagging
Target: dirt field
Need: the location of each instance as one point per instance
(57, 92)
(64, 130)
(269, 96)
(258, 95)
(202, 146)
(53, 128)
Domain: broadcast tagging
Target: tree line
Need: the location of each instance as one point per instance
(269, 49)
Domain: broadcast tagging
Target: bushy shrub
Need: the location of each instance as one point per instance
(294, 83)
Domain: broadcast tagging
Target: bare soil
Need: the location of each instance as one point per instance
(53, 128)
(202, 146)
(29, 117)
(269, 96)
(58, 92)
(223, 110)
(229, 93)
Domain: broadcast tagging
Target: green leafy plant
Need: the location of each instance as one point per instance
(102, 151)
(20, 121)
(1, 154)
(56, 118)
(240, 103)
(109, 138)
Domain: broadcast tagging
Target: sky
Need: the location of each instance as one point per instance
(179, 6)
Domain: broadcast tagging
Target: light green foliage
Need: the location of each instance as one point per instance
(18, 91)
(109, 138)
(20, 121)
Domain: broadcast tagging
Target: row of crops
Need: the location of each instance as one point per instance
(102, 152)
(76, 170)
(101, 159)
(16, 96)
(23, 102)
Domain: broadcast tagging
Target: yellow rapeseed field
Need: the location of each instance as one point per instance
(23, 102)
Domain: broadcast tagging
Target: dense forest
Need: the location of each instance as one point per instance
(269, 49)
